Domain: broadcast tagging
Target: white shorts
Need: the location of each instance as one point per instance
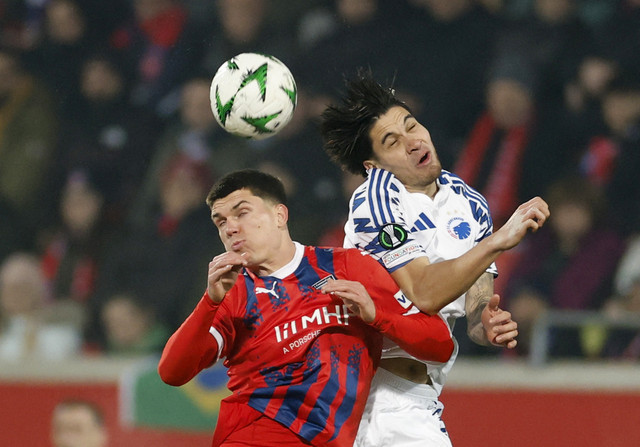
(401, 413)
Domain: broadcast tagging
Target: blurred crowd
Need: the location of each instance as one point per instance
(108, 147)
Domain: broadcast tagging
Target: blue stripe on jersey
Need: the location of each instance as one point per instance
(353, 373)
(305, 273)
(379, 202)
(325, 259)
(478, 204)
(253, 315)
(294, 398)
(373, 176)
(317, 419)
(274, 378)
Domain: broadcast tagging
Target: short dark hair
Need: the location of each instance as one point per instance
(261, 184)
(345, 127)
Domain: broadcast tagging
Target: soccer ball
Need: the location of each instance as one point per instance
(253, 95)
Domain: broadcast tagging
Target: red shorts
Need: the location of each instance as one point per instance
(241, 426)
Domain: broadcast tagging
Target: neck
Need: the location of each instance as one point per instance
(429, 190)
(285, 252)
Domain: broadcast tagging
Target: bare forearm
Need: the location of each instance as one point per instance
(477, 298)
(432, 286)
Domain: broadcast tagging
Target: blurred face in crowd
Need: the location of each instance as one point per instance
(403, 146)
(65, 23)
(621, 110)
(77, 425)
(100, 81)
(554, 11)
(571, 221)
(196, 107)
(183, 189)
(125, 323)
(242, 19)
(22, 285)
(9, 75)
(509, 103)
(357, 11)
(147, 9)
(81, 207)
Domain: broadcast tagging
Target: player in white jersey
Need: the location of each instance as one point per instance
(434, 234)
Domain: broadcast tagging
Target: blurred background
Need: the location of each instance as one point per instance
(108, 147)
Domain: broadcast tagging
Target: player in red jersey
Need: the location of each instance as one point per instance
(300, 327)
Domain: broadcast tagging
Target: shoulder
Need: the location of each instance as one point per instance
(461, 189)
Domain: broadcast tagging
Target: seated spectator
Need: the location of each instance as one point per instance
(625, 343)
(160, 48)
(58, 55)
(30, 326)
(194, 134)
(163, 260)
(566, 265)
(78, 423)
(508, 136)
(28, 132)
(611, 158)
(103, 133)
(130, 326)
(73, 250)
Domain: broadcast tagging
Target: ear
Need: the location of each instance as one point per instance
(369, 164)
(282, 214)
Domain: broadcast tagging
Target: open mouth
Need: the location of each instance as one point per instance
(424, 159)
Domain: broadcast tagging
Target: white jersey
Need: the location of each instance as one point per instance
(396, 226)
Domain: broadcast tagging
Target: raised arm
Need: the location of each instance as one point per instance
(192, 347)
(432, 286)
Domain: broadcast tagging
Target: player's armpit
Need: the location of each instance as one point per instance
(191, 348)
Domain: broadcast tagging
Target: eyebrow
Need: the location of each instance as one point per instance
(233, 208)
(388, 134)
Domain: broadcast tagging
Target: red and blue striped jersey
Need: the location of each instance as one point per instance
(296, 354)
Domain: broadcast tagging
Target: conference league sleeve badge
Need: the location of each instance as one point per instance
(392, 236)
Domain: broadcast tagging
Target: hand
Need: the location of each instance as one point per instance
(500, 329)
(530, 215)
(355, 296)
(223, 272)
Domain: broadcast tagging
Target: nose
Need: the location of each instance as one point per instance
(413, 144)
(231, 227)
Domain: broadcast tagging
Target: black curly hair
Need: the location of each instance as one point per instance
(345, 127)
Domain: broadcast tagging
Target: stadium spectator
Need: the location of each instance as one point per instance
(611, 158)
(567, 265)
(78, 423)
(160, 47)
(162, 262)
(625, 302)
(58, 56)
(106, 135)
(73, 249)
(512, 152)
(28, 132)
(30, 326)
(130, 326)
(194, 134)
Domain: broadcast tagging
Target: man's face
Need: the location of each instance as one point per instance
(403, 146)
(248, 224)
(76, 426)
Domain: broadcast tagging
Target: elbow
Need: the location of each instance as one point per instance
(427, 305)
(171, 376)
(446, 352)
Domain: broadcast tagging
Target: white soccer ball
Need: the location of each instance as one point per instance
(253, 95)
